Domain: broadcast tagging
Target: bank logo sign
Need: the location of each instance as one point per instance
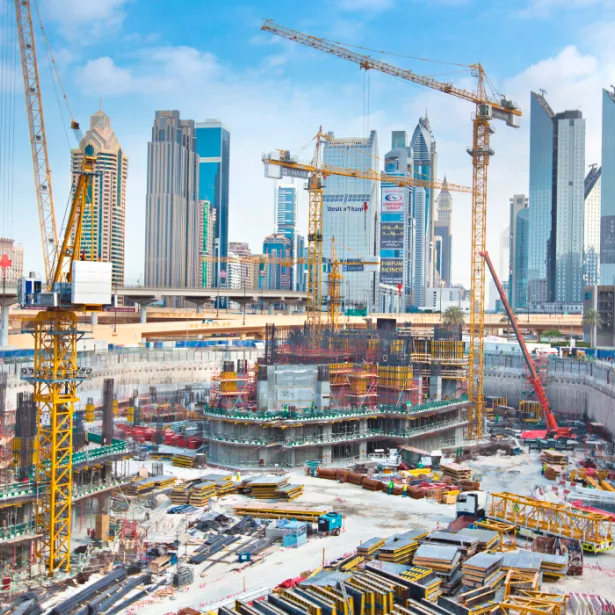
(393, 199)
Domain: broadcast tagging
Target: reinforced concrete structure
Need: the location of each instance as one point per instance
(356, 392)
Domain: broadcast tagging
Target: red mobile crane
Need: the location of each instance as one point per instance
(553, 430)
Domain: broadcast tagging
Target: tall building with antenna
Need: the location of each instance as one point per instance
(443, 237)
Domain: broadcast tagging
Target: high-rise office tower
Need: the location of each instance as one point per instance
(249, 267)
(350, 214)
(396, 225)
(557, 180)
(277, 274)
(517, 268)
(286, 219)
(172, 212)
(105, 232)
(207, 235)
(301, 267)
(502, 271)
(591, 241)
(213, 143)
(443, 238)
(607, 198)
(424, 160)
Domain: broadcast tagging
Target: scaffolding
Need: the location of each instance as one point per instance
(233, 387)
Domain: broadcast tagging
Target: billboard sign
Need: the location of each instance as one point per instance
(391, 235)
(392, 271)
(352, 268)
(393, 199)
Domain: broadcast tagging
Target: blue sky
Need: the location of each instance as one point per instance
(209, 59)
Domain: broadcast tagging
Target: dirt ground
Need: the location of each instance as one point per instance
(367, 515)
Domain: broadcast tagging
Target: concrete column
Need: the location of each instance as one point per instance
(326, 455)
(93, 318)
(4, 334)
(363, 450)
(143, 314)
(289, 309)
(362, 426)
(326, 431)
(270, 309)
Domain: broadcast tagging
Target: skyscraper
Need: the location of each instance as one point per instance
(286, 219)
(396, 223)
(277, 275)
(557, 179)
(350, 214)
(541, 198)
(107, 230)
(443, 238)
(207, 233)
(424, 160)
(517, 269)
(591, 241)
(172, 216)
(213, 146)
(607, 198)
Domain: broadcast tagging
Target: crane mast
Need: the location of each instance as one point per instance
(487, 110)
(38, 139)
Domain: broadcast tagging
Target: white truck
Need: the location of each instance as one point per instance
(471, 503)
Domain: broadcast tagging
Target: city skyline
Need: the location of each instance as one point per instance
(572, 66)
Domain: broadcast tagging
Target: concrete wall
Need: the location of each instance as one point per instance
(589, 393)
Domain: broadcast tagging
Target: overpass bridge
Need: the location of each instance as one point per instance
(173, 322)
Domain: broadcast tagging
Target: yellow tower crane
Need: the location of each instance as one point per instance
(280, 163)
(486, 109)
(334, 283)
(55, 374)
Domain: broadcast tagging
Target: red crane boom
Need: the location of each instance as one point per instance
(533, 377)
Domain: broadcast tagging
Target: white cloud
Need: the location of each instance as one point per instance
(96, 16)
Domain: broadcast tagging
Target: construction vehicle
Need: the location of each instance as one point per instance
(331, 523)
(487, 108)
(280, 163)
(73, 283)
(472, 504)
(553, 430)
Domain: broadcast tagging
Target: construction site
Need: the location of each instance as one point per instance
(365, 468)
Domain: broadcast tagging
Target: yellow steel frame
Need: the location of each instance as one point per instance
(595, 531)
(480, 153)
(55, 393)
(314, 268)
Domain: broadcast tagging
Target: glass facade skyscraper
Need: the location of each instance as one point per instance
(424, 161)
(541, 198)
(350, 214)
(517, 274)
(286, 220)
(591, 248)
(172, 215)
(557, 204)
(213, 146)
(607, 197)
(277, 275)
